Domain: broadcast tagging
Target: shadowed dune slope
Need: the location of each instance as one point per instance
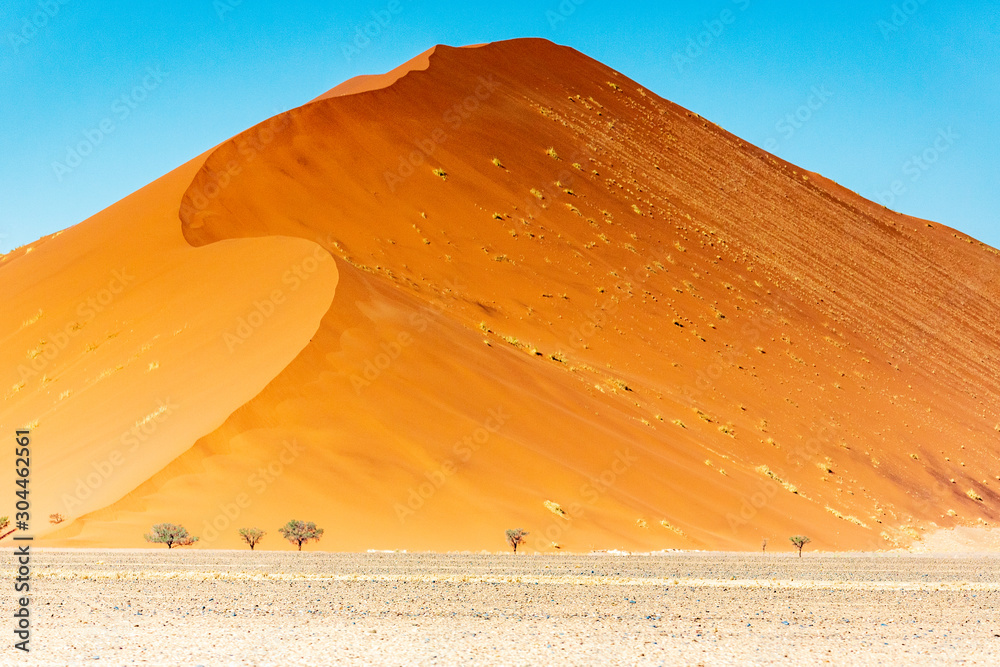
(567, 304)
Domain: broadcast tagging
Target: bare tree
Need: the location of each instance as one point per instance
(300, 532)
(252, 536)
(763, 545)
(515, 536)
(170, 534)
(799, 541)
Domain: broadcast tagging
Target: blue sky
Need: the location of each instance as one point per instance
(896, 99)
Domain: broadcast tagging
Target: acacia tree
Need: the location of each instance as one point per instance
(515, 536)
(799, 541)
(252, 536)
(56, 518)
(300, 532)
(4, 522)
(170, 534)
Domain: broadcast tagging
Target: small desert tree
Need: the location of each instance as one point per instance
(799, 541)
(4, 522)
(515, 537)
(300, 532)
(56, 518)
(252, 536)
(763, 545)
(171, 535)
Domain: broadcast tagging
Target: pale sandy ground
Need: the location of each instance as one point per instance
(180, 607)
(962, 539)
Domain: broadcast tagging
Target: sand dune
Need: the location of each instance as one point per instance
(562, 303)
(125, 345)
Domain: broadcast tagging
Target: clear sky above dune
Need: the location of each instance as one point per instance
(895, 100)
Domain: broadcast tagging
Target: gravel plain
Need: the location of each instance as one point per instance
(199, 607)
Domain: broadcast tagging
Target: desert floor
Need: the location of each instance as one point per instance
(199, 607)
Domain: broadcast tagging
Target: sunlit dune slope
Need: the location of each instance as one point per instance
(123, 344)
(568, 305)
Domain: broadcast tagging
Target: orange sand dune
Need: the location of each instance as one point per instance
(562, 303)
(123, 344)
